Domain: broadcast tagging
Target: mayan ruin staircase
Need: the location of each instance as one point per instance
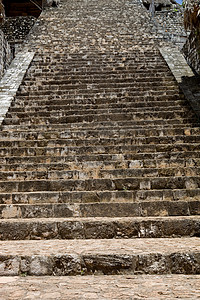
(99, 164)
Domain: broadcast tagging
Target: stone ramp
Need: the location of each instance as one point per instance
(99, 155)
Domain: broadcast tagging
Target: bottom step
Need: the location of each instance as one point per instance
(126, 287)
(87, 257)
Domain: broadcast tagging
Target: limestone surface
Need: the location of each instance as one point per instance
(127, 287)
(99, 158)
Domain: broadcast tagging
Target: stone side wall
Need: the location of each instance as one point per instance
(17, 28)
(192, 46)
(168, 22)
(2, 13)
(170, 25)
(192, 52)
(5, 54)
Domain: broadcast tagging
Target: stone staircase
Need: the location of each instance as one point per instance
(99, 155)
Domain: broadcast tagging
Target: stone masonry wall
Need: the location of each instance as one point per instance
(192, 52)
(192, 46)
(5, 53)
(17, 28)
(169, 23)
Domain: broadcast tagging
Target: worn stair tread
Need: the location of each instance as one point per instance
(97, 86)
(95, 173)
(107, 256)
(26, 103)
(138, 118)
(54, 106)
(102, 219)
(104, 125)
(40, 132)
(104, 141)
(99, 228)
(112, 287)
(100, 247)
(84, 91)
(97, 157)
(107, 184)
(100, 149)
(97, 196)
(99, 101)
(101, 209)
(113, 164)
(66, 111)
(101, 79)
(142, 113)
(160, 68)
(172, 123)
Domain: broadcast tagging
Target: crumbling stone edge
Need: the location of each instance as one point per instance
(12, 79)
(183, 74)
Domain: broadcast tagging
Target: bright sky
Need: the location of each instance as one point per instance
(179, 1)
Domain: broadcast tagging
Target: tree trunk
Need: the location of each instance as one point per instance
(2, 13)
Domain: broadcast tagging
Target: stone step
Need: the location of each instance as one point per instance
(95, 88)
(131, 79)
(87, 91)
(99, 149)
(98, 103)
(51, 105)
(115, 184)
(38, 76)
(103, 98)
(95, 57)
(95, 66)
(152, 50)
(136, 56)
(93, 85)
(107, 64)
(68, 43)
(112, 287)
(99, 228)
(81, 68)
(138, 160)
(102, 126)
(48, 113)
(95, 142)
(26, 165)
(144, 172)
(98, 173)
(162, 91)
(84, 54)
(96, 196)
(98, 61)
(169, 117)
(92, 54)
(116, 256)
(100, 209)
(64, 110)
(139, 70)
(100, 133)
